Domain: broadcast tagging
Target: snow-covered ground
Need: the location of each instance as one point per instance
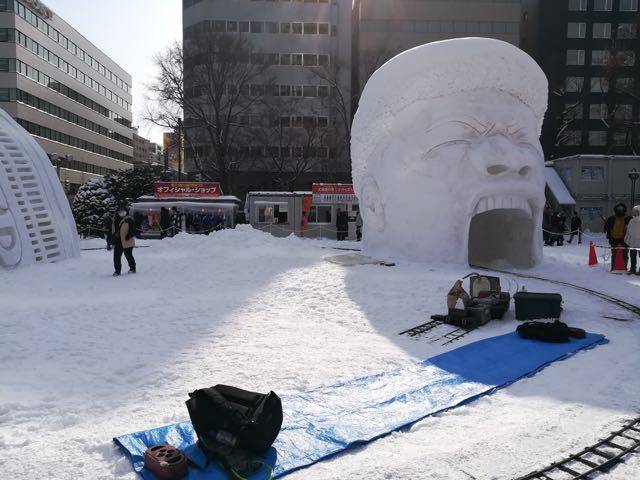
(85, 357)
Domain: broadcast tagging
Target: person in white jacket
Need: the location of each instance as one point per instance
(632, 239)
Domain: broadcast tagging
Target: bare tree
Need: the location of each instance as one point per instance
(291, 144)
(207, 82)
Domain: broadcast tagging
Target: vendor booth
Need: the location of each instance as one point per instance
(193, 207)
(312, 214)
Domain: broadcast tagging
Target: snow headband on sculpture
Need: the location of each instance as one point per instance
(441, 69)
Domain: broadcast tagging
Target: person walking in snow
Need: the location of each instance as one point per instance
(176, 221)
(616, 228)
(576, 228)
(632, 239)
(123, 230)
(165, 222)
(359, 224)
(107, 220)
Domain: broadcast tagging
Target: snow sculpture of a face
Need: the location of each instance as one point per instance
(36, 224)
(447, 163)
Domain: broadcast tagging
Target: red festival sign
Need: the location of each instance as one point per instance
(186, 189)
(333, 192)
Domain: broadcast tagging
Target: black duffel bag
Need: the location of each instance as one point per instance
(235, 425)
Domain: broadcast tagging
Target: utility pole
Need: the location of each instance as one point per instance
(180, 133)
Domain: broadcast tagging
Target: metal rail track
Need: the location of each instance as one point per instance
(423, 328)
(594, 459)
(612, 450)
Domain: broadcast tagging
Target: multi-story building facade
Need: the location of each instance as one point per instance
(382, 29)
(598, 183)
(140, 148)
(294, 39)
(70, 96)
(589, 51)
(154, 154)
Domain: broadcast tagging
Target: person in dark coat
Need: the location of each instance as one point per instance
(123, 231)
(342, 224)
(165, 222)
(616, 228)
(107, 220)
(547, 215)
(576, 227)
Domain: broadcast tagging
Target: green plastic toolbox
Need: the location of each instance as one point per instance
(534, 306)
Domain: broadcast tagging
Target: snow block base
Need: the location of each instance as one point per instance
(328, 420)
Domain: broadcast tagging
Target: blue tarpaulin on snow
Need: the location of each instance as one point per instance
(325, 421)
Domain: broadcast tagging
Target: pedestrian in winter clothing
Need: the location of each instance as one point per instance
(616, 228)
(576, 228)
(342, 224)
(123, 230)
(632, 239)
(107, 220)
(359, 224)
(165, 222)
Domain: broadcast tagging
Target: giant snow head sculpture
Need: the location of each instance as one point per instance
(447, 163)
(36, 224)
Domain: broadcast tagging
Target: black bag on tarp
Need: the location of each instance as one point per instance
(552, 332)
(233, 425)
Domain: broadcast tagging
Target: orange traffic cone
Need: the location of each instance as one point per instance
(619, 265)
(593, 258)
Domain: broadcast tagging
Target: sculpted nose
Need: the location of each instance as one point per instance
(501, 156)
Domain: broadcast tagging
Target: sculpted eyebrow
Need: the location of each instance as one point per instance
(460, 122)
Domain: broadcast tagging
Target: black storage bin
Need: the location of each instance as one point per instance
(534, 306)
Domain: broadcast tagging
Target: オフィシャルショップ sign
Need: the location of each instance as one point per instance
(186, 189)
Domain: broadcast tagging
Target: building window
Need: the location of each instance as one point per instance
(623, 112)
(597, 139)
(296, 28)
(624, 84)
(232, 27)
(620, 138)
(598, 111)
(573, 111)
(599, 85)
(323, 29)
(628, 5)
(285, 27)
(320, 214)
(599, 57)
(244, 27)
(602, 5)
(574, 84)
(628, 58)
(266, 214)
(591, 214)
(273, 27)
(592, 173)
(627, 30)
(310, 28)
(576, 29)
(572, 138)
(257, 27)
(601, 30)
(575, 57)
(577, 5)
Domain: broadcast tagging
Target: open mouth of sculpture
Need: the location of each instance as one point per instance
(502, 232)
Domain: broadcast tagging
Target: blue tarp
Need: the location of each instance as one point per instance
(328, 420)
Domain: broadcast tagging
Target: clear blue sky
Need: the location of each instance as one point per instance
(130, 32)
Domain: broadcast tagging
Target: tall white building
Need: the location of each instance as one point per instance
(73, 99)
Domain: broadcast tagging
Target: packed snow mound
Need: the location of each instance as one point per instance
(447, 164)
(36, 224)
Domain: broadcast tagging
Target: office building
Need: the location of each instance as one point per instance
(140, 148)
(382, 29)
(598, 183)
(70, 96)
(154, 154)
(589, 50)
(295, 40)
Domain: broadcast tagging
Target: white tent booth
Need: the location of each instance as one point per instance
(557, 192)
(201, 206)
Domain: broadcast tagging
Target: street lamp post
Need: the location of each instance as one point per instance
(633, 176)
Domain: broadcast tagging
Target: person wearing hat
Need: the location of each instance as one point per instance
(447, 133)
(632, 239)
(616, 229)
(123, 231)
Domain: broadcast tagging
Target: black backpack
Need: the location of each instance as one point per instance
(234, 425)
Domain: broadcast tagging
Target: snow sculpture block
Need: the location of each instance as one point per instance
(36, 224)
(447, 163)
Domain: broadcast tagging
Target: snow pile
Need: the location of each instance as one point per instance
(86, 357)
(448, 161)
